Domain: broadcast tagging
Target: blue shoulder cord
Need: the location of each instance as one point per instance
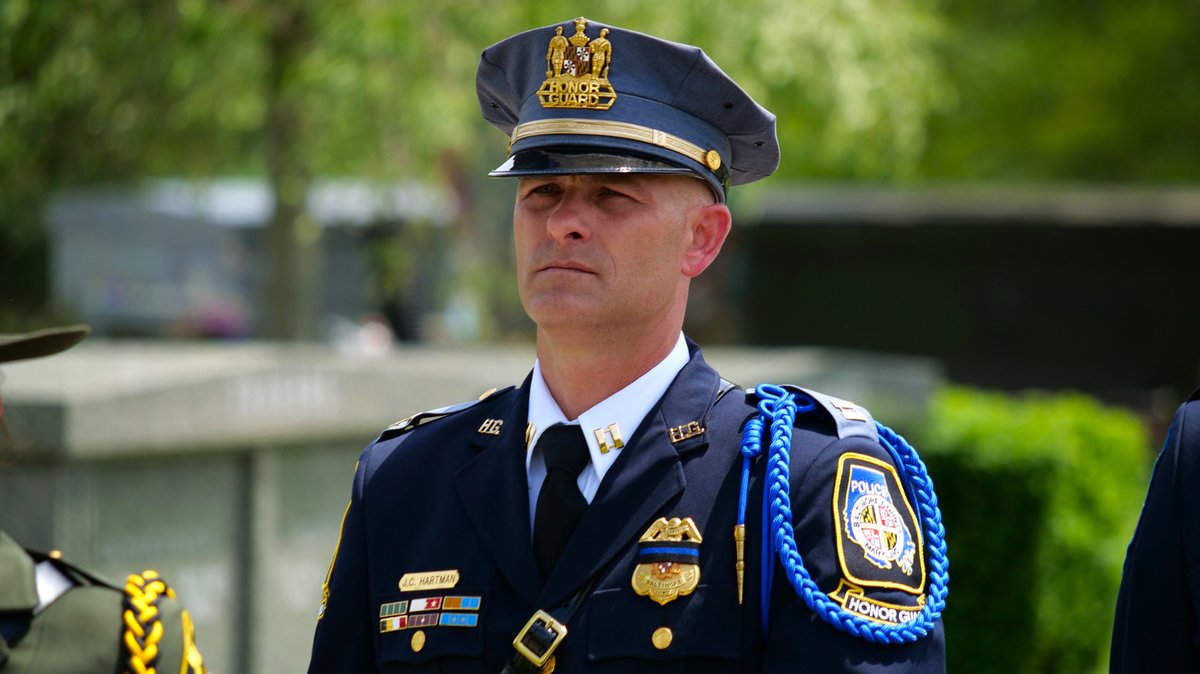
(780, 407)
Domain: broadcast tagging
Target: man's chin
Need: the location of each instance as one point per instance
(569, 313)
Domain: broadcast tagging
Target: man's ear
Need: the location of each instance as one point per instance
(709, 226)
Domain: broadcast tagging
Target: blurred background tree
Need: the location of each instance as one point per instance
(115, 92)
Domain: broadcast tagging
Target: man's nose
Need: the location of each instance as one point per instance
(567, 220)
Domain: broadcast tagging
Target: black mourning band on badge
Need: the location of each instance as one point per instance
(683, 552)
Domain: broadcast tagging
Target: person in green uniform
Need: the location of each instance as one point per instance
(56, 618)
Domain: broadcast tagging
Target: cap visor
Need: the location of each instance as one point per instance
(40, 343)
(540, 162)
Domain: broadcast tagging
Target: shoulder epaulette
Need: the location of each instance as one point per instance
(78, 576)
(409, 423)
(852, 420)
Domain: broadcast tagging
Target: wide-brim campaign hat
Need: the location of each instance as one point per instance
(586, 97)
(38, 343)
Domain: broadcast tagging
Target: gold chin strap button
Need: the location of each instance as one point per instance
(713, 159)
(55, 554)
(662, 638)
(418, 641)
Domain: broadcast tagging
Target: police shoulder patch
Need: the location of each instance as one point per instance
(879, 540)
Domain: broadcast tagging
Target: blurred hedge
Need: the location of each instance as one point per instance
(1040, 494)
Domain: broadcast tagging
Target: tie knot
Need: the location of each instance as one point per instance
(564, 448)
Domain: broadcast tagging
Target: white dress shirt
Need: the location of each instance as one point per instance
(624, 410)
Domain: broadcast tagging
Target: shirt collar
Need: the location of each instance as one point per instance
(623, 410)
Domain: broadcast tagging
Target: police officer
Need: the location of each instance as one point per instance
(1158, 605)
(56, 618)
(625, 508)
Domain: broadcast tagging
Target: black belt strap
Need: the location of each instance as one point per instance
(535, 643)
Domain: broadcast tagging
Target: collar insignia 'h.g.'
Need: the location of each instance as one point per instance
(689, 430)
(577, 70)
(491, 426)
(668, 560)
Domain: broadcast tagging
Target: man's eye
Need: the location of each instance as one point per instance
(548, 188)
(609, 192)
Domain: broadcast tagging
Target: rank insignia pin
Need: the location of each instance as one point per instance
(668, 560)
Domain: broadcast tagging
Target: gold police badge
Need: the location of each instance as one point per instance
(577, 70)
(668, 560)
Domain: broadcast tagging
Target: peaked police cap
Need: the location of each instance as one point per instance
(40, 343)
(586, 97)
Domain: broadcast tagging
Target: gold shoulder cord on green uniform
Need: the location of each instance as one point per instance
(144, 629)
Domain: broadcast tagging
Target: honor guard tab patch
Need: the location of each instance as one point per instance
(879, 539)
(854, 600)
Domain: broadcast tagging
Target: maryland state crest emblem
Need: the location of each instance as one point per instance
(668, 560)
(577, 70)
(879, 539)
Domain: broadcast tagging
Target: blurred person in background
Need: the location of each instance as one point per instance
(1157, 626)
(56, 618)
(589, 519)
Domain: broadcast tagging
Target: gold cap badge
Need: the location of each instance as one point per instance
(577, 70)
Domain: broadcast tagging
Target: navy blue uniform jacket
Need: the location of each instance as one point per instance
(1156, 627)
(448, 496)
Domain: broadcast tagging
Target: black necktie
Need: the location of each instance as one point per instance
(559, 504)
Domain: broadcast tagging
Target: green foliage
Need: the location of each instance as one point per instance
(1040, 495)
(1079, 90)
(870, 90)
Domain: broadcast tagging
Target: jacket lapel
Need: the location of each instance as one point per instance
(646, 476)
(494, 491)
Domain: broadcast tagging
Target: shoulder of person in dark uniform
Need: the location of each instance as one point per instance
(426, 452)
(1153, 629)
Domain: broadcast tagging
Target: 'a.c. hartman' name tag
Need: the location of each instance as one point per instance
(429, 580)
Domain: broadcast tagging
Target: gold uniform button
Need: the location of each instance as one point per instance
(55, 554)
(713, 159)
(662, 638)
(418, 641)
